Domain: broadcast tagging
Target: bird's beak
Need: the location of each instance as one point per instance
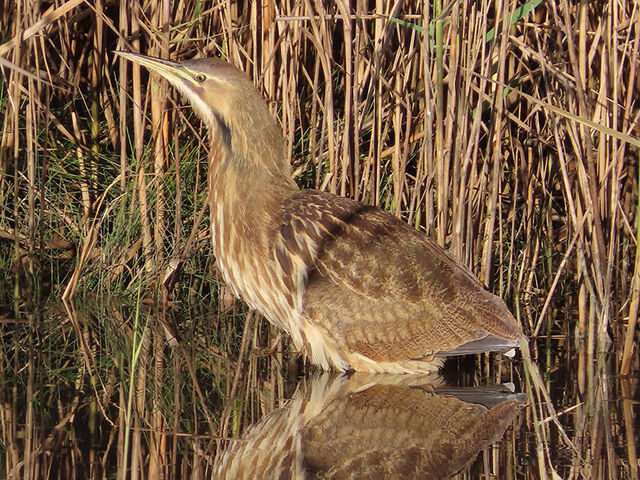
(174, 72)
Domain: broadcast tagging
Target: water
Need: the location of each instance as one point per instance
(372, 426)
(103, 391)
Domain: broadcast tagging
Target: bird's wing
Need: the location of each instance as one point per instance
(379, 286)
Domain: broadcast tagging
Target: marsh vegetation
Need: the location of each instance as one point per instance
(506, 130)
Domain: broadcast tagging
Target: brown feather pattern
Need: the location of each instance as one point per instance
(381, 288)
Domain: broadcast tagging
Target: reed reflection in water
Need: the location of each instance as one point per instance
(109, 391)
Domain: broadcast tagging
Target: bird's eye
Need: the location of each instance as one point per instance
(201, 77)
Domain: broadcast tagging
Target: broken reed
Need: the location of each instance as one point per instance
(502, 132)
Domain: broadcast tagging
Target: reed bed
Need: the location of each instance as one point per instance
(507, 130)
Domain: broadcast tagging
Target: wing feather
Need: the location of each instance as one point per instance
(380, 287)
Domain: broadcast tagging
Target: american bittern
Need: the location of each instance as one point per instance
(355, 287)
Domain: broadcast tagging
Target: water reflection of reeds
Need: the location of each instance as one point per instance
(108, 390)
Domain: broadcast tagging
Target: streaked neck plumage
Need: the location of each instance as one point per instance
(249, 179)
(249, 141)
(249, 174)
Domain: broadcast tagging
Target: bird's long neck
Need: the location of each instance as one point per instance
(248, 183)
(249, 194)
(247, 142)
(249, 174)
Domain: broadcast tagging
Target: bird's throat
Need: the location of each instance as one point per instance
(246, 200)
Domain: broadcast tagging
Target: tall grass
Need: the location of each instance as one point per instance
(507, 130)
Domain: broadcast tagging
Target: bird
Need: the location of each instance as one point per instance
(356, 288)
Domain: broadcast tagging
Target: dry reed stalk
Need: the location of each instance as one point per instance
(31, 181)
(30, 468)
(138, 142)
(159, 122)
(157, 435)
(629, 340)
(629, 428)
(237, 375)
(635, 281)
(140, 372)
(123, 76)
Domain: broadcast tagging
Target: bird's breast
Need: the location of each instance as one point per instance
(263, 265)
(246, 263)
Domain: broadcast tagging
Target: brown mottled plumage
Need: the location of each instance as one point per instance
(355, 287)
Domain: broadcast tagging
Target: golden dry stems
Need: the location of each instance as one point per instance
(537, 189)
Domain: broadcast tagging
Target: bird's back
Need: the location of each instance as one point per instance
(372, 293)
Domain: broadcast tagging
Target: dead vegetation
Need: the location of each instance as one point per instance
(507, 130)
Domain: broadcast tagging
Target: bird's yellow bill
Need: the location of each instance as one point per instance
(165, 68)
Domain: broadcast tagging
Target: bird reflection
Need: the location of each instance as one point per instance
(372, 426)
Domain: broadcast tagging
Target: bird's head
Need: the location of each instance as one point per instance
(229, 104)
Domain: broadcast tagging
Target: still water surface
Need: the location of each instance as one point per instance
(105, 392)
(372, 426)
